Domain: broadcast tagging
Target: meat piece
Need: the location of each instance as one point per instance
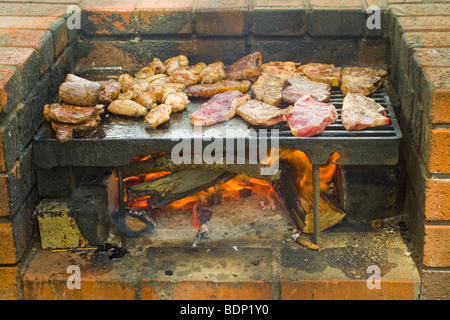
(177, 101)
(71, 114)
(127, 108)
(110, 91)
(64, 131)
(296, 88)
(309, 117)
(246, 68)
(135, 87)
(157, 66)
(146, 99)
(78, 91)
(209, 90)
(175, 63)
(145, 73)
(198, 67)
(124, 79)
(321, 72)
(158, 115)
(364, 81)
(220, 108)
(184, 76)
(213, 72)
(360, 112)
(282, 69)
(268, 89)
(259, 113)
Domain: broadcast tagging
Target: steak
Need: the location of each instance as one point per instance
(220, 108)
(246, 68)
(360, 112)
(268, 89)
(259, 113)
(110, 91)
(64, 131)
(78, 91)
(364, 81)
(321, 72)
(67, 113)
(295, 88)
(309, 117)
(211, 89)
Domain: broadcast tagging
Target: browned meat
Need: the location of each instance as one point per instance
(209, 90)
(146, 99)
(176, 63)
(78, 91)
(127, 108)
(110, 91)
(282, 69)
(298, 87)
(157, 66)
(213, 72)
(64, 131)
(177, 101)
(326, 73)
(268, 89)
(198, 68)
(246, 68)
(261, 114)
(309, 117)
(145, 73)
(71, 114)
(360, 112)
(158, 115)
(133, 88)
(220, 108)
(184, 76)
(364, 81)
(124, 79)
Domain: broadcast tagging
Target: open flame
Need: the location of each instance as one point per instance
(239, 186)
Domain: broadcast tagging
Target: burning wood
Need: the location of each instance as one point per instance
(136, 221)
(303, 242)
(199, 218)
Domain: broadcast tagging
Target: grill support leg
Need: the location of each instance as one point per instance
(316, 202)
(121, 206)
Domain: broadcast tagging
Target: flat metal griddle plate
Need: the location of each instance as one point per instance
(117, 139)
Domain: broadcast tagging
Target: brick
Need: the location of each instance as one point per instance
(437, 152)
(7, 247)
(32, 9)
(10, 93)
(16, 184)
(60, 36)
(437, 199)
(420, 9)
(27, 63)
(108, 53)
(222, 18)
(435, 92)
(425, 23)
(109, 17)
(63, 65)
(29, 23)
(286, 18)
(437, 246)
(165, 17)
(40, 40)
(373, 52)
(427, 39)
(9, 283)
(435, 285)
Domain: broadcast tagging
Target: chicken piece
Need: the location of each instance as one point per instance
(125, 96)
(160, 81)
(157, 66)
(127, 108)
(177, 101)
(66, 113)
(268, 89)
(197, 68)
(157, 77)
(175, 63)
(184, 76)
(246, 68)
(78, 91)
(145, 73)
(135, 87)
(158, 115)
(211, 89)
(124, 79)
(213, 72)
(282, 69)
(146, 99)
(64, 131)
(110, 91)
(321, 72)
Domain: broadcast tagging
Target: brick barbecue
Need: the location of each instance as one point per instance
(37, 50)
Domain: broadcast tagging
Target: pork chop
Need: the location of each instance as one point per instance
(364, 81)
(268, 89)
(246, 68)
(259, 113)
(64, 131)
(282, 69)
(220, 108)
(309, 117)
(67, 113)
(321, 72)
(295, 88)
(360, 112)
